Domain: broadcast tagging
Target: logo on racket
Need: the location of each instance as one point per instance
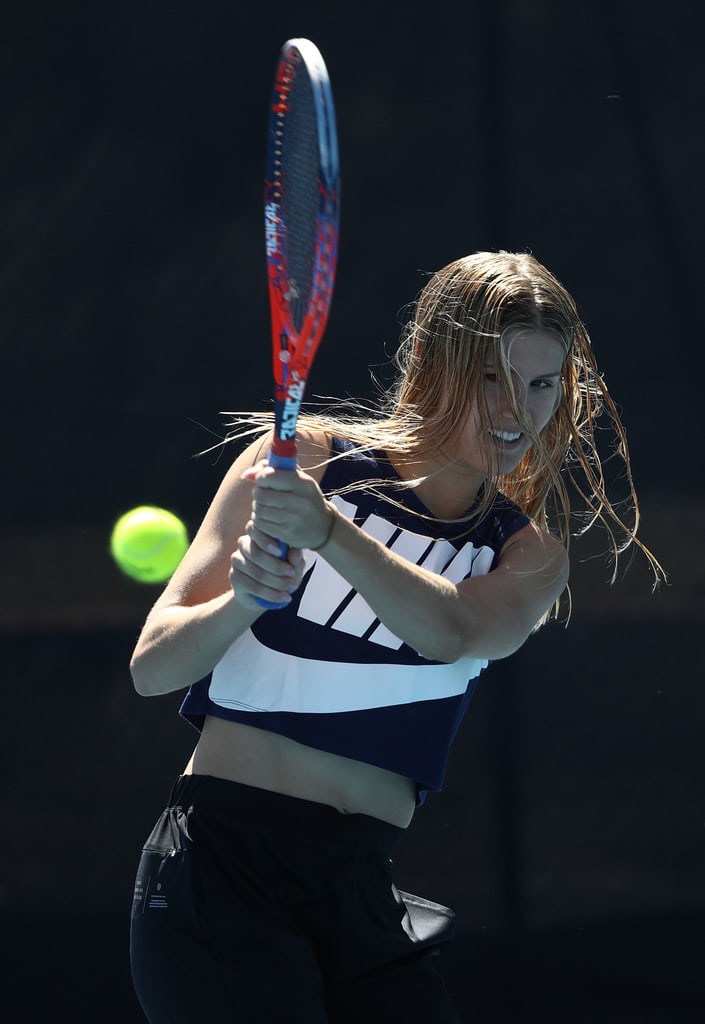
(271, 229)
(292, 404)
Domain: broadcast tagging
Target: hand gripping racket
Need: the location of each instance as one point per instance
(301, 220)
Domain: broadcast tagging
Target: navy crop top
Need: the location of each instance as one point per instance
(327, 673)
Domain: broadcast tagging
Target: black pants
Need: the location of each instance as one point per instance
(256, 908)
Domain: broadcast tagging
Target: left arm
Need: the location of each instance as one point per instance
(482, 617)
(486, 616)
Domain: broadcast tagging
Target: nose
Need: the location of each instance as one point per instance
(507, 406)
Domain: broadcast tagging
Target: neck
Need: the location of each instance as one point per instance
(446, 489)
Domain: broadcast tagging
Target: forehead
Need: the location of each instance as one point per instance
(523, 346)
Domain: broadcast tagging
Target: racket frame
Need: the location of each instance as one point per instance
(293, 351)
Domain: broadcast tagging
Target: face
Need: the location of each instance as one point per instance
(536, 362)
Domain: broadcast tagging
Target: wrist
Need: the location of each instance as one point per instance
(332, 517)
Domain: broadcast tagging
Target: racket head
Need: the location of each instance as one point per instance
(301, 204)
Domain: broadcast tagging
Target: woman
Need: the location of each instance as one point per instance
(424, 542)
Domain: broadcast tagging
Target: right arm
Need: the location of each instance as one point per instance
(201, 612)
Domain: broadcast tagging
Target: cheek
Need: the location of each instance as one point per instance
(545, 407)
(557, 399)
(473, 418)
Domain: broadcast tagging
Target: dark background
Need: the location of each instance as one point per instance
(571, 836)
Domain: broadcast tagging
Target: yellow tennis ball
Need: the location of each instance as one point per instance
(148, 543)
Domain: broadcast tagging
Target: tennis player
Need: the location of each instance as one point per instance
(427, 539)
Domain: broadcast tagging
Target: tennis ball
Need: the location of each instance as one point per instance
(148, 543)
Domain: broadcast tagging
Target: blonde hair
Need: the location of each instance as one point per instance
(460, 323)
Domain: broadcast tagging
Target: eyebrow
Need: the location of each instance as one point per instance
(552, 373)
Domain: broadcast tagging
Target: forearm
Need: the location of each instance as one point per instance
(421, 608)
(181, 644)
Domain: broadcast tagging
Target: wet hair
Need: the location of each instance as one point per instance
(463, 320)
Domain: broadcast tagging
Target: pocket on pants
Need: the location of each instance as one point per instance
(425, 922)
(162, 881)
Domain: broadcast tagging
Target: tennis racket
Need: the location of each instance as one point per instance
(301, 222)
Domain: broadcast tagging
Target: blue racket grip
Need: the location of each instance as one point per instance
(279, 462)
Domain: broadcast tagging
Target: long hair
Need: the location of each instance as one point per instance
(461, 322)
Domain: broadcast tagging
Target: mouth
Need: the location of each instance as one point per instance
(506, 437)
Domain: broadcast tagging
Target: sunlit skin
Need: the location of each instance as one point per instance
(536, 359)
(450, 480)
(444, 621)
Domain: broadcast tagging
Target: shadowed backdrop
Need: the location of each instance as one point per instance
(133, 313)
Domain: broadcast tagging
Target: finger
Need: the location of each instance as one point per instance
(262, 538)
(279, 519)
(252, 472)
(296, 559)
(269, 478)
(260, 550)
(248, 579)
(266, 514)
(249, 592)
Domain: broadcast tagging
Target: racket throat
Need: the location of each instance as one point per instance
(287, 405)
(284, 440)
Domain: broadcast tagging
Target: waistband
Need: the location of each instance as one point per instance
(262, 807)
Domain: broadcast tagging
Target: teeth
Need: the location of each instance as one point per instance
(504, 435)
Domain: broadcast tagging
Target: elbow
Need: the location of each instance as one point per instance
(140, 679)
(447, 647)
(457, 648)
(473, 640)
(143, 680)
(152, 676)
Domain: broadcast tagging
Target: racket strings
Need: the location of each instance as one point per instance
(300, 194)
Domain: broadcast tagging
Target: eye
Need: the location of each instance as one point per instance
(542, 384)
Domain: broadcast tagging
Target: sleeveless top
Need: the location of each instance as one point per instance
(327, 673)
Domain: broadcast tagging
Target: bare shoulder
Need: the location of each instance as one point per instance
(534, 551)
(314, 449)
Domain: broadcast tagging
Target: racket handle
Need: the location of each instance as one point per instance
(279, 462)
(282, 461)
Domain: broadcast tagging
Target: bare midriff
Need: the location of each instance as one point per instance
(266, 760)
